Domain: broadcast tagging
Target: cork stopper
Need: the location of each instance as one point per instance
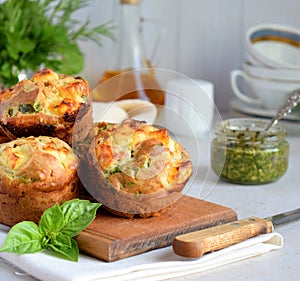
(130, 2)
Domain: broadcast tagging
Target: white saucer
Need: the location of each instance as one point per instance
(255, 110)
(290, 122)
(117, 111)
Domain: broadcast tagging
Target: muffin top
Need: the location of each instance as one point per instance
(46, 94)
(139, 158)
(36, 163)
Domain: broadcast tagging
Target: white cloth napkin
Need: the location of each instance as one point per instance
(159, 264)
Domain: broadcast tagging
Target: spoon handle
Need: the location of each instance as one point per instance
(292, 101)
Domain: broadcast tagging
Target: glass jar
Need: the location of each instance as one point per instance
(243, 152)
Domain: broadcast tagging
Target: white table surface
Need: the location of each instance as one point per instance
(261, 201)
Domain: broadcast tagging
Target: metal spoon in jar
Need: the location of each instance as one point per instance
(292, 101)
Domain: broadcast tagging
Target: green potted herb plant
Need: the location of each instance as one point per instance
(43, 32)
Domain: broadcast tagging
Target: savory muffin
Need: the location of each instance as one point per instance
(35, 172)
(3, 137)
(46, 104)
(135, 168)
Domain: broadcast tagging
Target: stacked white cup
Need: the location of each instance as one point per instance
(272, 66)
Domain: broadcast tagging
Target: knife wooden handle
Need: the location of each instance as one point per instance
(196, 244)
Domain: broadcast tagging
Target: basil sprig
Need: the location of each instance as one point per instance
(55, 231)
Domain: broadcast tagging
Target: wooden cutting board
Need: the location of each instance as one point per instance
(112, 238)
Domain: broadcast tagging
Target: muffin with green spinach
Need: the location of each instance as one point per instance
(134, 169)
(47, 104)
(35, 173)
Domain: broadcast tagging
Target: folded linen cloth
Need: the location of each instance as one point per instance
(159, 264)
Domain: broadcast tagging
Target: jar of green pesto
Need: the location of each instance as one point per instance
(243, 152)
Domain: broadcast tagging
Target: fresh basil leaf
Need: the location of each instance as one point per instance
(52, 221)
(70, 253)
(78, 215)
(62, 241)
(57, 226)
(24, 237)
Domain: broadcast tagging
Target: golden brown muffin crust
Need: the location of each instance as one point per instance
(139, 158)
(36, 163)
(136, 168)
(35, 173)
(3, 137)
(46, 104)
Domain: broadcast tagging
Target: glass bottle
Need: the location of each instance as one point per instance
(132, 73)
(243, 152)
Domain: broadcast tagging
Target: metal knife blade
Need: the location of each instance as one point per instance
(196, 244)
(285, 217)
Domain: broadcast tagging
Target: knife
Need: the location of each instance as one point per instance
(196, 244)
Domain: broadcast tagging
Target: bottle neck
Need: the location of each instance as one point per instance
(129, 24)
(128, 50)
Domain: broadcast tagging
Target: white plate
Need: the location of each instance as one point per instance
(258, 111)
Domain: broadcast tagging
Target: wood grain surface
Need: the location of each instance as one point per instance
(112, 238)
(196, 244)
